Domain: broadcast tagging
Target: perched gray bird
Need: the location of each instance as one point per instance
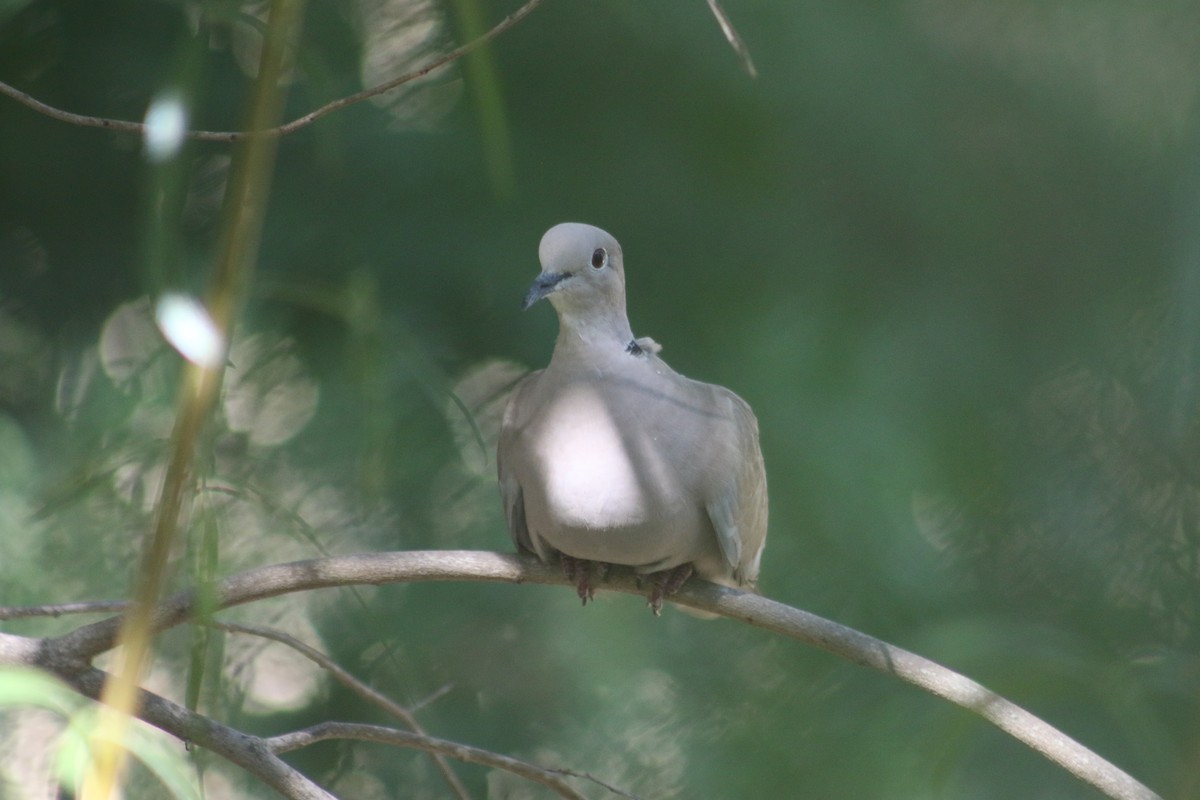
(608, 456)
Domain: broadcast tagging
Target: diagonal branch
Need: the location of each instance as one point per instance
(87, 641)
(344, 677)
(248, 752)
(128, 126)
(462, 752)
(260, 756)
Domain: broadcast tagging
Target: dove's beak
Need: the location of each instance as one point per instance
(545, 284)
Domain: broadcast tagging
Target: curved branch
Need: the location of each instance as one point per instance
(379, 568)
(378, 733)
(128, 126)
(251, 753)
(259, 756)
(343, 676)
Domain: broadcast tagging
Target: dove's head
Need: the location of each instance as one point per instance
(582, 272)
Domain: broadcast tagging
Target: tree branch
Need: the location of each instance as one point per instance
(128, 126)
(59, 609)
(87, 641)
(259, 756)
(360, 688)
(251, 753)
(462, 752)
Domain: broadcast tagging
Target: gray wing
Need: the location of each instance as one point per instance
(510, 488)
(738, 509)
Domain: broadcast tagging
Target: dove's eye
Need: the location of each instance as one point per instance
(599, 258)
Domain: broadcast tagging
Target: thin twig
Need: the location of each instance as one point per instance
(344, 677)
(587, 776)
(731, 36)
(87, 641)
(377, 733)
(432, 697)
(128, 126)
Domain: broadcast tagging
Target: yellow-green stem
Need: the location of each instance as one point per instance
(244, 211)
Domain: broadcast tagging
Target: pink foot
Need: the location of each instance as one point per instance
(580, 572)
(665, 584)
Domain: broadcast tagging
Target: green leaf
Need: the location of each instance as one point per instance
(167, 762)
(21, 686)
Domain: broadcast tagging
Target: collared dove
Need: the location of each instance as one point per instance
(608, 456)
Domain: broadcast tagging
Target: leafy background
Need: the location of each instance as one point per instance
(950, 252)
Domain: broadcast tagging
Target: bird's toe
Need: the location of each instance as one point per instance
(666, 583)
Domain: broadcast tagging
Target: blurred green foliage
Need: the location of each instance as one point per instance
(950, 252)
(61, 722)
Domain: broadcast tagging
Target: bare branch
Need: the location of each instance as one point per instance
(258, 756)
(462, 752)
(68, 116)
(90, 640)
(57, 610)
(344, 677)
(378, 568)
(453, 55)
(127, 126)
(250, 753)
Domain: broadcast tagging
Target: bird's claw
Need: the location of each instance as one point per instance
(580, 572)
(666, 583)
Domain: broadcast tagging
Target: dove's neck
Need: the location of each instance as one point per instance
(592, 335)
